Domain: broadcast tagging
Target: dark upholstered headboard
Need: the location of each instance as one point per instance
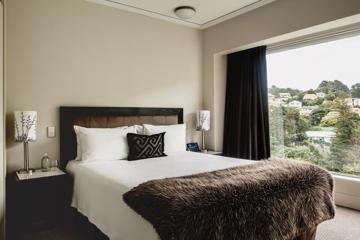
(108, 117)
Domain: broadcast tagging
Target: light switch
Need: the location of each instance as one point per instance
(51, 132)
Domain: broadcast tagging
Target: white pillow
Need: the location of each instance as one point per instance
(139, 129)
(175, 136)
(102, 143)
(77, 130)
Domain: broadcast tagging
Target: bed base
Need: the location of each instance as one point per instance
(84, 226)
(93, 233)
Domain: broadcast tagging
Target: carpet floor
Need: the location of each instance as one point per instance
(345, 226)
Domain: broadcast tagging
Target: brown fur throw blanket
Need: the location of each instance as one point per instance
(271, 199)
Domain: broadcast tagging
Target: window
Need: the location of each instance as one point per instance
(314, 104)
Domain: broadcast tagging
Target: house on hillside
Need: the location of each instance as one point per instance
(352, 102)
(295, 104)
(277, 102)
(310, 96)
(274, 101)
(307, 110)
(331, 115)
(285, 95)
(355, 110)
(323, 136)
(327, 102)
(356, 102)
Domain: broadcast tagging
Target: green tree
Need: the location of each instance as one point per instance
(330, 96)
(328, 122)
(332, 87)
(327, 104)
(317, 115)
(345, 126)
(308, 153)
(342, 95)
(276, 128)
(351, 169)
(295, 127)
(353, 154)
(276, 91)
(355, 90)
(315, 102)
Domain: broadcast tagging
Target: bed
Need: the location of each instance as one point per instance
(98, 188)
(115, 178)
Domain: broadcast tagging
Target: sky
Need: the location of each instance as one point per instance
(304, 68)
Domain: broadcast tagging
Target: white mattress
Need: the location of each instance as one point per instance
(99, 186)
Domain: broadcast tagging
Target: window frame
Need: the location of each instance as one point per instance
(315, 39)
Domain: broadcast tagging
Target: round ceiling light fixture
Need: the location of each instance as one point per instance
(184, 12)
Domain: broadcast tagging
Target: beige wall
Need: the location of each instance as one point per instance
(270, 21)
(72, 52)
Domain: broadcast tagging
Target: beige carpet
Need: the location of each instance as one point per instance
(345, 226)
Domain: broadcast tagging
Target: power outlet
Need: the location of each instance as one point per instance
(51, 132)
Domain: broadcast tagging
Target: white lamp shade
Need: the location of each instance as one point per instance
(25, 126)
(203, 120)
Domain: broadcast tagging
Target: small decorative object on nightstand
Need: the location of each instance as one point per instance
(203, 124)
(47, 196)
(54, 164)
(25, 131)
(192, 147)
(45, 163)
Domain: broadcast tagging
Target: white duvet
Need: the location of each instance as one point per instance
(99, 186)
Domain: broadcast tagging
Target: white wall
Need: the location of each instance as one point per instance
(73, 52)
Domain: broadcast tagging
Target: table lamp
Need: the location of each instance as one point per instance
(25, 131)
(203, 124)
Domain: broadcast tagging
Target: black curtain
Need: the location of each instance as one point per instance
(246, 122)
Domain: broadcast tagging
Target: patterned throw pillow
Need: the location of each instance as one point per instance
(145, 146)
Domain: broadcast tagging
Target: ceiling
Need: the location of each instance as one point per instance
(208, 12)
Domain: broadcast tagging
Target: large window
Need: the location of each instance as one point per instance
(314, 103)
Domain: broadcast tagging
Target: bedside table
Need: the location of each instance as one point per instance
(36, 202)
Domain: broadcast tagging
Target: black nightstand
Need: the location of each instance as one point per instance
(36, 203)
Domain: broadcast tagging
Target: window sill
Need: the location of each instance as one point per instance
(346, 176)
(347, 190)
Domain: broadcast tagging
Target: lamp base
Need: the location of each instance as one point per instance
(24, 171)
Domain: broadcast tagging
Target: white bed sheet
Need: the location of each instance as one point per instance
(99, 186)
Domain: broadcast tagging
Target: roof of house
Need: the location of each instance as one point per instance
(325, 134)
(309, 96)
